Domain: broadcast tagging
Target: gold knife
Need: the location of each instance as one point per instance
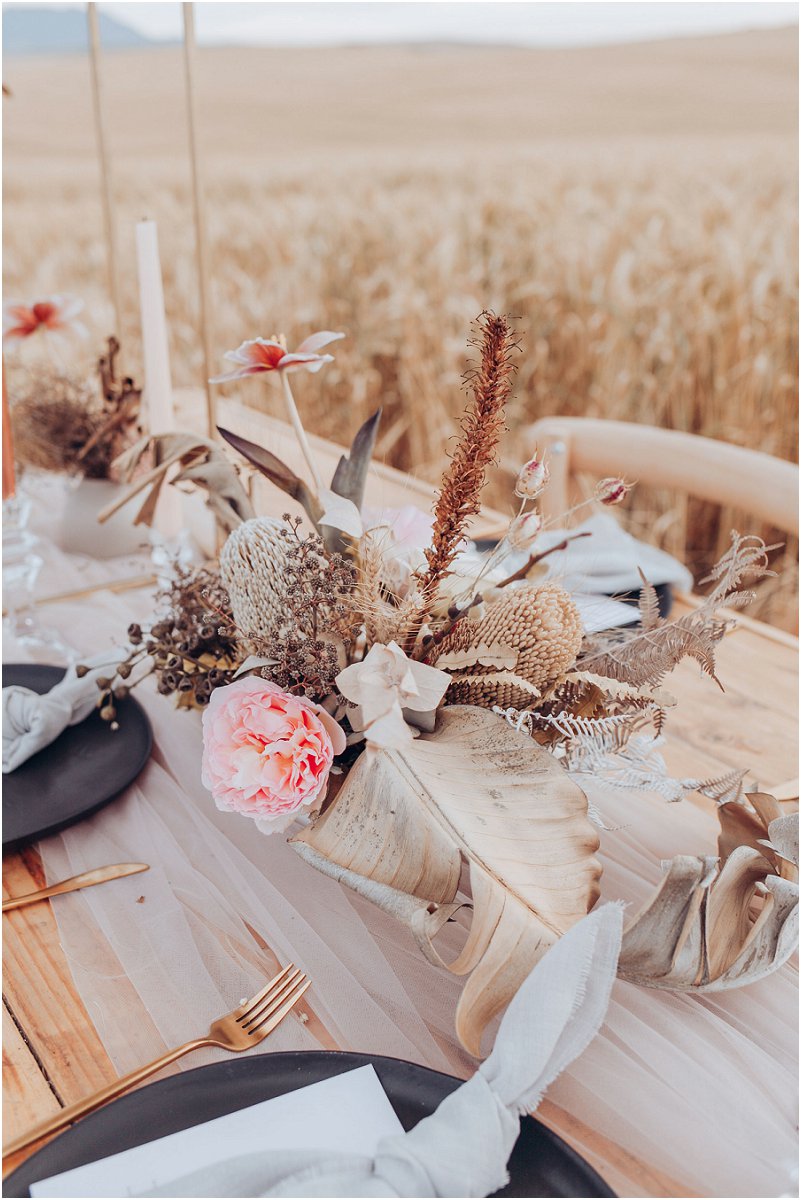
(86, 879)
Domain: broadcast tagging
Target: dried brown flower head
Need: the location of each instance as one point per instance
(62, 423)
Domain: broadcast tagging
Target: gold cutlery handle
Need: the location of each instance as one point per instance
(66, 1117)
(84, 880)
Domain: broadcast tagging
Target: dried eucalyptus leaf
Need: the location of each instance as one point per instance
(276, 471)
(350, 476)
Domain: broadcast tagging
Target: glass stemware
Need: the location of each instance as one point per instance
(21, 566)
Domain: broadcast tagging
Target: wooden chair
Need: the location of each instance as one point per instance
(756, 483)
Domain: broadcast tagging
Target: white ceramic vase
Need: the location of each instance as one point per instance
(79, 531)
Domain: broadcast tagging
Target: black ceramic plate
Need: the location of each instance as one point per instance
(79, 772)
(541, 1163)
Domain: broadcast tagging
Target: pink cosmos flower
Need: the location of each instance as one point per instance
(52, 315)
(267, 753)
(252, 358)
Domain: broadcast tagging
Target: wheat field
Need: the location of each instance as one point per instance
(633, 207)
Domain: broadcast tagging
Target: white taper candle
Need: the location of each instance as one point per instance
(158, 403)
(155, 342)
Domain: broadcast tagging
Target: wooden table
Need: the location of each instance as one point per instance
(52, 1055)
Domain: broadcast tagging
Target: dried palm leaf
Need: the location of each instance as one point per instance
(755, 821)
(708, 929)
(477, 791)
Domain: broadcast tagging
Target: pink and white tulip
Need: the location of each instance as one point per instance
(259, 355)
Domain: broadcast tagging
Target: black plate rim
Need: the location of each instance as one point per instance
(349, 1059)
(13, 844)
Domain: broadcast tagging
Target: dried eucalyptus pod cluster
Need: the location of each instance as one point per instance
(524, 643)
(292, 602)
(191, 649)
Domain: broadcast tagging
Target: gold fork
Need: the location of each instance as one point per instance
(241, 1029)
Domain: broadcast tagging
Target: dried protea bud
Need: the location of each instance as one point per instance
(524, 531)
(539, 625)
(533, 478)
(253, 568)
(612, 491)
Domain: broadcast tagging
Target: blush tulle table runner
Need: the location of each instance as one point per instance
(677, 1095)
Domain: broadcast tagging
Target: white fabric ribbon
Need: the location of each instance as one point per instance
(31, 721)
(461, 1149)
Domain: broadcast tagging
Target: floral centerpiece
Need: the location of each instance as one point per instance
(407, 707)
(62, 422)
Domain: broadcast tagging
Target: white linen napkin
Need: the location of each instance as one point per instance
(31, 721)
(610, 560)
(461, 1149)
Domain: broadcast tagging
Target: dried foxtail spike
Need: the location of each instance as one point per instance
(459, 497)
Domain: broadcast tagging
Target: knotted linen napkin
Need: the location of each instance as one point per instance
(461, 1149)
(31, 721)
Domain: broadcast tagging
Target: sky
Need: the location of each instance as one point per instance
(570, 22)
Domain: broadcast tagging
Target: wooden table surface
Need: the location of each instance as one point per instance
(52, 1055)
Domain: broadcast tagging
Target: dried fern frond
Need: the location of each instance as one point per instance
(459, 497)
(645, 657)
(614, 750)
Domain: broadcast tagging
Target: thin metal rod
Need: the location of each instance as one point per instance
(200, 219)
(106, 178)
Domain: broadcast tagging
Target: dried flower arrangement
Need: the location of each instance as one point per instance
(61, 423)
(449, 691)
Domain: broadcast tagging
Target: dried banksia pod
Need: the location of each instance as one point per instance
(527, 640)
(253, 565)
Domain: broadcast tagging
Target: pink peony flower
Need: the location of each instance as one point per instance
(52, 314)
(259, 355)
(266, 753)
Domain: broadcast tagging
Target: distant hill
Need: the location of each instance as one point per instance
(62, 30)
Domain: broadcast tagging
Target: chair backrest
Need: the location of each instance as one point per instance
(747, 480)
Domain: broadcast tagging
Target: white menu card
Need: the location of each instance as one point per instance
(349, 1113)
